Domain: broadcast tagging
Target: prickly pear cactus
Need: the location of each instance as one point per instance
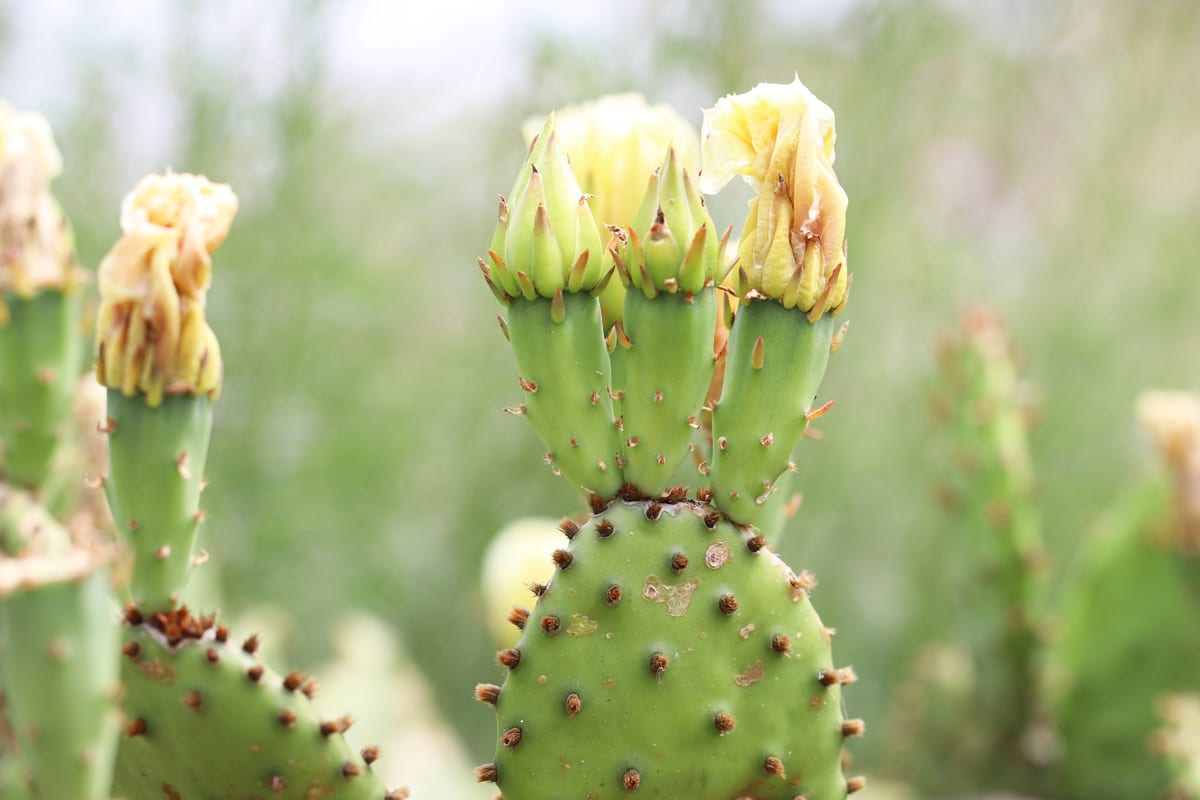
(207, 719)
(672, 654)
(1115, 661)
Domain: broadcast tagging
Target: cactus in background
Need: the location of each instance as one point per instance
(989, 667)
(1178, 741)
(672, 654)
(1115, 660)
(40, 341)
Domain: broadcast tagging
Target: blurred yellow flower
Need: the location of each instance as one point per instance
(780, 137)
(36, 248)
(151, 329)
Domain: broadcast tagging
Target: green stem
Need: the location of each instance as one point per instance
(156, 473)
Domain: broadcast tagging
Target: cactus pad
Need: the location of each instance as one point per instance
(206, 720)
(671, 655)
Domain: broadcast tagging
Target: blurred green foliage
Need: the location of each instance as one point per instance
(1041, 157)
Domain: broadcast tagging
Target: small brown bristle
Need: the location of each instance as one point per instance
(658, 663)
(828, 677)
(251, 644)
(370, 754)
(805, 581)
(676, 494)
(136, 728)
(653, 510)
(711, 519)
(536, 589)
(255, 673)
(853, 727)
(276, 784)
(133, 616)
(728, 604)
(629, 493)
(192, 700)
(756, 543)
(604, 529)
(724, 722)
(781, 644)
(569, 528)
(847, 676)
(212, 655)
(704, 495)
(399, 794)
(487, 693)
(855, 784)
(679, 562)
(612, 595)
(573, 704)
(486, 773)
(511, 737)
(596, 503)
(518, 616)
(336, 726)
(550, 624)
(310, 687)
(563, 558)
(351, 770)
(222, 634)
(293, 680)
(773, 766)
(509, 658)
(287, 718)
(131, 649)
(631, 780)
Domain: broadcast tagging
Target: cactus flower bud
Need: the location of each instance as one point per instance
(615, 143)
(546, 240)
(781, 139)
(36, 247)
(672, 244)
(152, 335)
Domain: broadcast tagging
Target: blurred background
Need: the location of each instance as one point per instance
(1039, 156)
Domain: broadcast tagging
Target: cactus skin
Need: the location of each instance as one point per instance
(564, 372)
(40, 355)
(586, 702)
(206, 720)
(156, 473)
(58, 659)
(1116, 659)
(774, 366)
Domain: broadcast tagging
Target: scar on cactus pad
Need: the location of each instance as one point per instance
(673, 654)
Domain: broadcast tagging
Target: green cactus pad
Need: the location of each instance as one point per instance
(206, 720)
(564, 373)
(667, 369)
(670, 656)
(774, 367)
(40, 351)
(58, 663)
(156, 473)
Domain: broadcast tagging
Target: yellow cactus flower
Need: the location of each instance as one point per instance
(1173, 420)
(36, 247)
(780, 138)
(152, 335)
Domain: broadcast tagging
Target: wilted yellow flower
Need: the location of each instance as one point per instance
(36, 248)
(781, 139)
(151, 332)
(615, 143)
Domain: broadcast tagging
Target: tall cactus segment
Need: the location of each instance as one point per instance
(671, 654)
(547, 266)
(58, 659)
(207, 719)
(792, 279)
(162, 365)
(670, 259)
(40, 305)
